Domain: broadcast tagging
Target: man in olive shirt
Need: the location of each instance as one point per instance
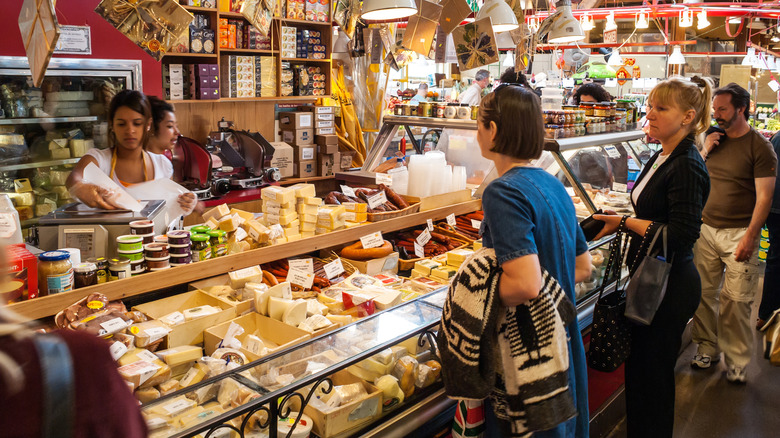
(742, 167)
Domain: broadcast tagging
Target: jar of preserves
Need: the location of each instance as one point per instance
(201, 248)
(55, 273)
(440, 109)
(101, 264)
(450, 111)
(84, 274)
(399, 109)
(410, 109)
(550, 131)
(474, 112)
(118, 268)
(425, 109)
(612, 109)
(588, 107)
(464, 112)
(200, 229)
(601, 109)
(218, 240)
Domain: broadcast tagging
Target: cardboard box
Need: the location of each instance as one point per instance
(191, 332)
(23, 268)
(299, 137)
(319, 124)
(328, 149)
(283, 159)
(326, 142)
(351, 415)
(388, 263)
(296, 120)
(325, 131)
(329, 163)
(346, 159)
(318, 109)
(306, 169)
(305, 153)
(275, 334)
(242, 307)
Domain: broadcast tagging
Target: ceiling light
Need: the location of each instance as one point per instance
(703, 23)
(749, 59)
(757, 24)
(382, 10)
(641, 21)
(509, 60)
(686, 17)
(566, 28)
(676, 58)
(614, 59)
(586, 22)
(770, 62)
(533, 23)
(611, 25)
(500, 14)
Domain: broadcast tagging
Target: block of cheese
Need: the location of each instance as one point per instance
(310, 218)
(257, 231)
(356, 207)
(212, 223)
(60, 153)
(217, 212)
(270, 219)
(22, 185)
(145, 395)
(331, 224)
(477, 245)
(285, 196)
(44, 209)
(351, 216)
(25, 213)
(240, 235)
(269, 193)
(308, 209)
(307, 234)
(425, 266)
(348, 224)
(443, 272)
(193, 376)
(294, 225)
(340, 319)
(416, 273)
(241, 277)
(313, 201)
(295, 314)
(292, 231)
(230, 223)
(314, 307)
(288, 211)
(293, 238)
(173, 407)
(200, 312)
(228, 392)
(26, 199)
(304, 190)
(278, 306)
(195, 417)
(58, 143)
(321, 230)
(308, 227)
(374, 366)
(148, 332)
(79, 147)
(143, 374)
(386, 298)
(179, 355)
(456, 257)
(245, 215)
(286, 219)
(254, 345)
(169, 386)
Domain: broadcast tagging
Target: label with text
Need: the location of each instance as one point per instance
(377, 200)
(117, 350)
(476, 224)
(147, 356)
(612, 151)
(114, 325)
(373, 240)
(305, 265)
(300, 278)
(618, 187)
(419, 251)
(451, 220)
(333, 269)
(430, 225)
(349, 191)
(383, 178)
(424, 237)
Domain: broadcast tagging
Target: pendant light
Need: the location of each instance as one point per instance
(642, 20)
(533, 23)
(750, 58)
(676, 58)
(566, 28)
(586, 22)
(686, 17)
(610, 25)
(509, 59)
(758, 61)
(614, 59)
(500, 14)
(381, 10)
(770, 62)
(702, 23)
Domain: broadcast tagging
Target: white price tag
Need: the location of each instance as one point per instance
(638, 83)
(612, 151)
(305, 265)
(373, 240)
(286, 290)
(349, 191)
(383, 178)
(774, 85)
(147, 356)
(424, 237)
(650, 83)
(610, 82)
(430, 225)
(419, 251)
(377, 200)
(114, 325)
(451, 220)
(300, 278)
(618, 187)
(156, 333)
(177, 406)
(334, 268)
(568, 83)
(117, 350)
(476, 224)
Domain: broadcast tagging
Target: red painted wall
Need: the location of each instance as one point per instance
(107, 42)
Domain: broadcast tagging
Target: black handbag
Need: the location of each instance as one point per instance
(647, 286)
(610, 335)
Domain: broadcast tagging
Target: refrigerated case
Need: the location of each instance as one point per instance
(44, 131)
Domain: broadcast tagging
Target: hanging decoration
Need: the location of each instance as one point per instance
(258, 13)
(397, 57)
(475, 44)
(346, 14)
(153, 25)
(40, 32)
(622, 75)
(453, 12)
(421, 29)
(522, 37)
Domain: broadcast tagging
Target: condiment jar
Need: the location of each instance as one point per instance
(464, 112)
(101, 263)
(440, 109)
(450, 112)
(218, 240)
(474, 112)
(85, 274)
(201, 247)
(156, 250)
(142, 227)
(199, 229)
(55, 273)
(118, 268)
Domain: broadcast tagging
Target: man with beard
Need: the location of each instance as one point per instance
(742, 167)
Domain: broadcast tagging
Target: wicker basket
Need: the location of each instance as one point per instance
(377, 217)
(349, 268)
(406, 265)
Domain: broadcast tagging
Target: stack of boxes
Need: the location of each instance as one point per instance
(256, 40)
(174, 82)
(297, 131)
(265, 76)
(307, 205)
(289, 42)
(191, 81)
(288, 80)
(296, 9)
(279, 208)
(309, 44)
(308, 80)
(227, 34)
(201, 35)
(206, 80)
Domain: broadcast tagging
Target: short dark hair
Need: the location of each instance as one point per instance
(136, 101)
(159, 108)
(740, 97)
(597, 91)
(510, 76)
(517, 113)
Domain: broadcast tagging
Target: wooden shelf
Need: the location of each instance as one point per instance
(48, 306)
(190, 55)
(248, 99)
(305, 60)
(291, 181)
(265, 51)
(231, 15)
(199, 9)
(304, 22)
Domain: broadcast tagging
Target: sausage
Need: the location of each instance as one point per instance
(357, 252)
(394, 197)
(343, 198)
(269, 278)
(332, 199)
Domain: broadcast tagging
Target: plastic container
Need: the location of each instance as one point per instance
(152, 264)
(148, 238)
(179, 237)
(118, 268)
(55, 273)
(133, 256)
(130, 242)
(179, 249)
(138, 267)
(302, 429)
(156, 250)
(142, 227)
(84, 274)
(10, 227)
(161, 239)
(181, 259)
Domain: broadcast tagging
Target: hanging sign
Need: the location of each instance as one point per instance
(637, 72)
(74, 40)
(622, 75)
(610, 36)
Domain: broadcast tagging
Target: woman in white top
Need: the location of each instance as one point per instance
(126, 161)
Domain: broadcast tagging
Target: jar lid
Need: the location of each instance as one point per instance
(85, 268)
(119, 261)
(155, 246)
(216, 233)
(130, 238)
(141, 223)
(200, 238)
(200, 229)
(54, 256)
(97, 260)
(178, 234)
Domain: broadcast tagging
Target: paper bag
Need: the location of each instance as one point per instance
(421, 28)
(475, 44)
(453, 13)
(258, 14)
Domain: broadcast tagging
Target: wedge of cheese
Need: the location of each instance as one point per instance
(304, 190)
(281, 290)
(257, 231)
(193, 376)
(246, 215)
(217, 212)
(443, 272)
(180, 355)
(230, 223)
(295, 314)
(278, 306)
(456, 257)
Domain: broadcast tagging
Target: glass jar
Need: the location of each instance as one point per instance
(560, 117)
(101, 264)
(588, 107)
(440, 109)
(612, 109)
(118, 268)
(55, 273)
(84, 274)
(550, 131)
(200, 229)
(399, 109)
(201, 248)
(218, 240)
(450, 111)
(425, 109)
(474, 112)
(410, 109)
(464, 112)
(601, 109)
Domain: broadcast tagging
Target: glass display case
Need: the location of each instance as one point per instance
(44, 131)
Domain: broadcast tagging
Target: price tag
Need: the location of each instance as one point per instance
(610, 82)
(774, 85)
(156, 333)
(334, 268)
(419, 251)
(618, 187)
(638, 83)
(377, 200)
(451, 220)
(177, 406)
(424, 237)
(300, 278)
(568, 83)
(117, 350)
(383, 178)
(476, 224)
(374, 240)
(305, 265)
(612, 151)
(430, 225)
(147, 356)
(114, 325)
(347, 190)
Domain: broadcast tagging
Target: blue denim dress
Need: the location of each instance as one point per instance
(527, 211)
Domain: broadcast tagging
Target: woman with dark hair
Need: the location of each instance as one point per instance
(531, 224)
(591, 93)
(126, 162)
(165, 131)
(510, 76)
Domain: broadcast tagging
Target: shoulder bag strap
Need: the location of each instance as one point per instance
(615, 259)
(58, 386)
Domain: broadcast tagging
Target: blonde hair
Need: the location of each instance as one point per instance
(695, 94)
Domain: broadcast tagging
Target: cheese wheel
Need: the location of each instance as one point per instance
(278, 306)
(295, 314)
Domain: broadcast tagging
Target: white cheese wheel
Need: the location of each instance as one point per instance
(295, 314)
(278, 306)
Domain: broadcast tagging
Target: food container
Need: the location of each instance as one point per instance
(179, 237)
(160, 269)
(143, 227)
(588, 107)
(156, 250)
(102, 268)
(218, 240)
(148, 238)
(410, 109)
(180, 249)
(174, 265)
(130, 242)
(464, 112)
(440, 109)
(138, 267)
(201, 247)
(152, 264)
(601, 109)
(474, 112)
(133, 256)
(425, 109)
(200, 229)
(161, 239)
(118, 268)
(55, 273)
(451, 111)
(399, 109)
(181, 259)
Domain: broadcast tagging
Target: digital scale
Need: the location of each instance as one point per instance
(94, 231)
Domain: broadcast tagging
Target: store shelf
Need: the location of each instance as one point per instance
(431, 122)
(250, 99)
(36, 120)
(37, 164)
(305, 60)
(190, 55)
(154, 281)
(231, 15)
(199, 9)
(304, 22)
(261, 51)
(565, 144)
(291, 181)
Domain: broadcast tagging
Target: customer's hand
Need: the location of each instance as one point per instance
(188, 201)
(710, 142)
(94, 196)
(745, 248)
(611, 220)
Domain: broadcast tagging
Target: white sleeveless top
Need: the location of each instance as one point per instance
(163, 168)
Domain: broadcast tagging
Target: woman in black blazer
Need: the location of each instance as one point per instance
(671, 190)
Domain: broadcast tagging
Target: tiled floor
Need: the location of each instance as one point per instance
(708, 406)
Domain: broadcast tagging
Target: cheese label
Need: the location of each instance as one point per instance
(334, 268)
(305, 265)
(377, 200)
(272, 210)
(156, 333)
(424, 237)
(430, 225)
(174, 318)
(612, 151)
(476, 224)
(373, 240)
(114, 325)
(419, 251)
(349, 191)
(618, 187)
(351, 216)
(147, 356)
(177, 406)
(276, 231)
(451, 220)
(117, 350)
(383, 178)
(300, 278)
